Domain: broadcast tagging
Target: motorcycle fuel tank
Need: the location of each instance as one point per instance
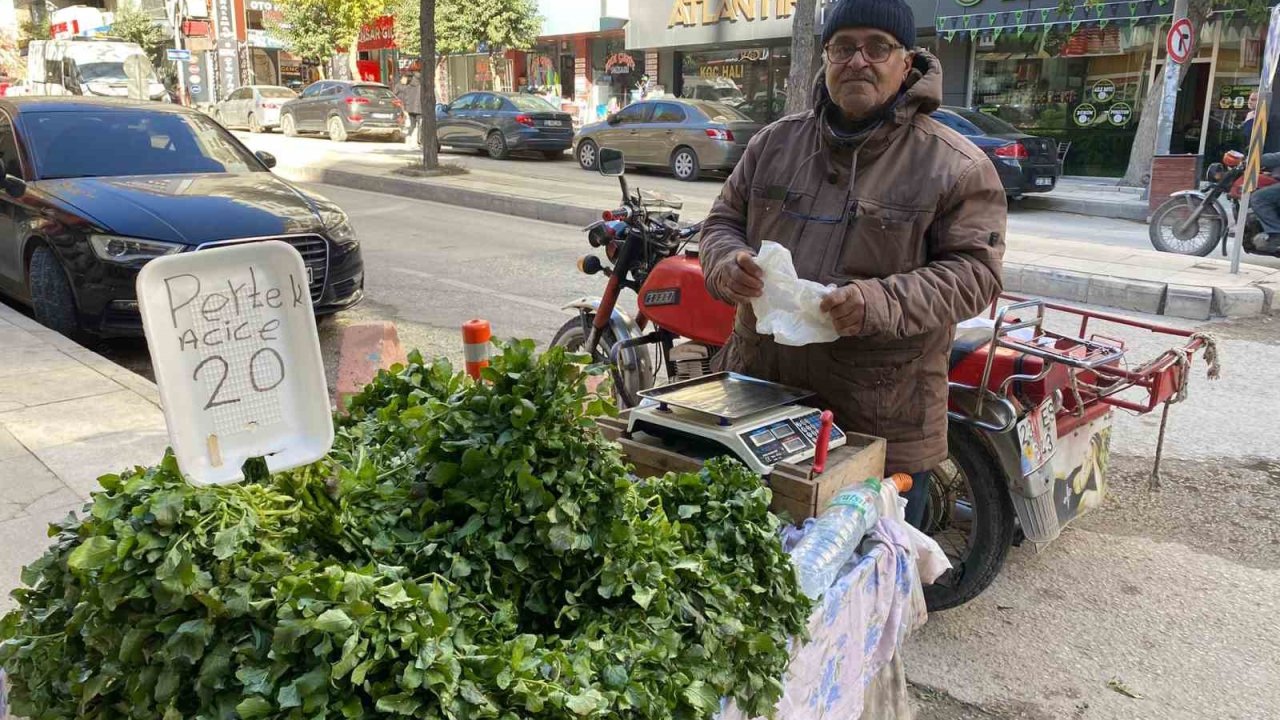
(675, 298)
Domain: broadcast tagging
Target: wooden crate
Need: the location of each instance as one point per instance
(797, 492)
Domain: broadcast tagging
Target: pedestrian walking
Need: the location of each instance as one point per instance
(409, 91)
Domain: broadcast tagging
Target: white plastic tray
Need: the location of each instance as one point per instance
(237, 360)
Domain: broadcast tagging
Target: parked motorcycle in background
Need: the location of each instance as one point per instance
(1194, 222)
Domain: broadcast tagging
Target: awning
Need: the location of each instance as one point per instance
(998, 20)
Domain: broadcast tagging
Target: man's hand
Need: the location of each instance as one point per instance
(743, 279)
(848, 309)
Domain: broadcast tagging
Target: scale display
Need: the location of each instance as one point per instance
(791, 439)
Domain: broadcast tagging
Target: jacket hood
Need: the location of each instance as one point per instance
(923, 92)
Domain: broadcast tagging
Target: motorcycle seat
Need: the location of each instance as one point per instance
(968, 341)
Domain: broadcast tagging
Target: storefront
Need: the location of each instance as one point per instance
(1082, 79)
(615, 73)
(377, 48)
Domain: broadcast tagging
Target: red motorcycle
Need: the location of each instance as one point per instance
(1031, 407)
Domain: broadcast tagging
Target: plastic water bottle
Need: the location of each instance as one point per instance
(834, 537)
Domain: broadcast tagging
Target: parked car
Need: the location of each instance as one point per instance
(94, 188)
(501, 123)
(687, 136)
(255, 107)
(1026, 163)
(343, 108)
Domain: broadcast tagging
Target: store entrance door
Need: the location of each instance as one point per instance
(1188, 114)
(566, 76)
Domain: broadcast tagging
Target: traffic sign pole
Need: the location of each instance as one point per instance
(1181, 38)
(177, 45)
(1258, 139)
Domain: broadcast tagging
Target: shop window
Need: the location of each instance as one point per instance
(749, 80)
(1233, 96)
(616, 74)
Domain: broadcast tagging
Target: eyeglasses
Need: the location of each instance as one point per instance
(875, 51)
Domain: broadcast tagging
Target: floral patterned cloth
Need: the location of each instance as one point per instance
(856, 629)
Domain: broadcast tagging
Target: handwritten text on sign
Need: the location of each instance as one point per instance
(237, 358)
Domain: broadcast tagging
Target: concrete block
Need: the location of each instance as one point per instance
(365, 349)
(1127, 294)
(1055, 283)
(1011, 276)
(1240, 302)
(1188, 301)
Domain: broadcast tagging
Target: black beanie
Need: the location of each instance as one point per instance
(892, 16)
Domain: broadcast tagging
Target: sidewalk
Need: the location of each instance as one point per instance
(1123, 278)
(67, 416)
(1096, 197)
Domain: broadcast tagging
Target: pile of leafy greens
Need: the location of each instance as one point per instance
(467, 550)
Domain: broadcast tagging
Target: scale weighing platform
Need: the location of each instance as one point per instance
(757, 421)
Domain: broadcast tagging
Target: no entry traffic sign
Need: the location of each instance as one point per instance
(1181, 41)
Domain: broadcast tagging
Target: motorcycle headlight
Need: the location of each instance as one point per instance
(124, 250)
(340, 231)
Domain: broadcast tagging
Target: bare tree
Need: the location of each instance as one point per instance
(805, 57)
(427, 83)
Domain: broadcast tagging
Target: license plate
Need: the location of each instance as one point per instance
(382, 116)
(1038, 436)
(555, 123)
(1044, 181)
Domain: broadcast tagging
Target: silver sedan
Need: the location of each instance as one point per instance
(256, 107)
(687, 136)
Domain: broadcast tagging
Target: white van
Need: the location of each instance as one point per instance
(89, 66)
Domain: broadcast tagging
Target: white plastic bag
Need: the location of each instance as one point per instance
(789, 307)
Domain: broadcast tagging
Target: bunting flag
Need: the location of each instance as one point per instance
(1133, 9)
(1017, 18)
(967, 18)
(1075, 25)
(991, 19)
(1103, 22)
(1044, 15)
(999, 30)
(941, 21)
(951, 34)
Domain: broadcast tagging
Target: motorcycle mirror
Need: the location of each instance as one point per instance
(267, 158)
(611, 162)
(14, 187)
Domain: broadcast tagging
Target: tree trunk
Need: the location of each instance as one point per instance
(804, 53)
(353, 57)
(427, 92)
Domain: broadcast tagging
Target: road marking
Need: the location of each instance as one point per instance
(482, 290)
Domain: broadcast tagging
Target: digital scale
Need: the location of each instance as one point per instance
(759, 422)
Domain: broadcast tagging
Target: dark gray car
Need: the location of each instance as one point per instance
(343, 108)
(688, 136)
(501, 123)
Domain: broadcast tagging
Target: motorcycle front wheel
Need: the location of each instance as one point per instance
(572, 336)
(1170, 232)
(970, 516)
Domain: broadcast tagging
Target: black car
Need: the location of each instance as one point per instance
(93, 189)
(1026, 163)
(344, 108)
(502, 122)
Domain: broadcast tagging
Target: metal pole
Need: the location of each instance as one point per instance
(180, 66)
(1257, 141)
(1169, 102)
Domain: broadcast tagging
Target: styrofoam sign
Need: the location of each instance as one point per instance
(236, 357)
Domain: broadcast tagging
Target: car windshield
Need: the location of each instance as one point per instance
(277, 92)
(108, 71)
(719, 112)
(375, 92)
(531, 103)
(986, 123)
(112, 143)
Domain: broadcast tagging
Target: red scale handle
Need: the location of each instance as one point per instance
(824, 439)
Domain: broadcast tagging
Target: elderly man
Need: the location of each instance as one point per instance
(903, 215)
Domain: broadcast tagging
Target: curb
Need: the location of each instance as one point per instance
(365, 349)
(1115, 209)
(1191, 302)
(463, 197)
(1155, 298)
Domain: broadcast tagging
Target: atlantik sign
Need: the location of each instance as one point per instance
(709, 12)
(691, 23)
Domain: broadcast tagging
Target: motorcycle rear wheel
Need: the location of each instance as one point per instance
(970, 515)
(1198, 239)
(572, 336)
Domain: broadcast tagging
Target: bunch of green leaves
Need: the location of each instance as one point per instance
(467, 550)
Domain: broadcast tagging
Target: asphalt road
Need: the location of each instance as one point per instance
(1171, 595)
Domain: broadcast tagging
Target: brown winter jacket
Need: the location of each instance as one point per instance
(917, 223)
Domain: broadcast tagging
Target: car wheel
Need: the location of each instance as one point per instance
(587, 154)
(287, 127)
(51, 297)
(684, 164)
(337, 131)
(254, 125)
(496, 146)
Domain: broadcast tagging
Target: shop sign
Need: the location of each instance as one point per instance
(679, 23)
(1119, 114)
(1236, 97)
(1104, 90)
(1084, 114)
(620, 64)
(733, 71)
(262, 6)
(754, 55)
(378, 35)
(228, 58)
(710, 12)
(262, 39)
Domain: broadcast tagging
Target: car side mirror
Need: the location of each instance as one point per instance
(267, 158)
(442, 108)
(611, 162)
(613, 119)
(14, 187)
